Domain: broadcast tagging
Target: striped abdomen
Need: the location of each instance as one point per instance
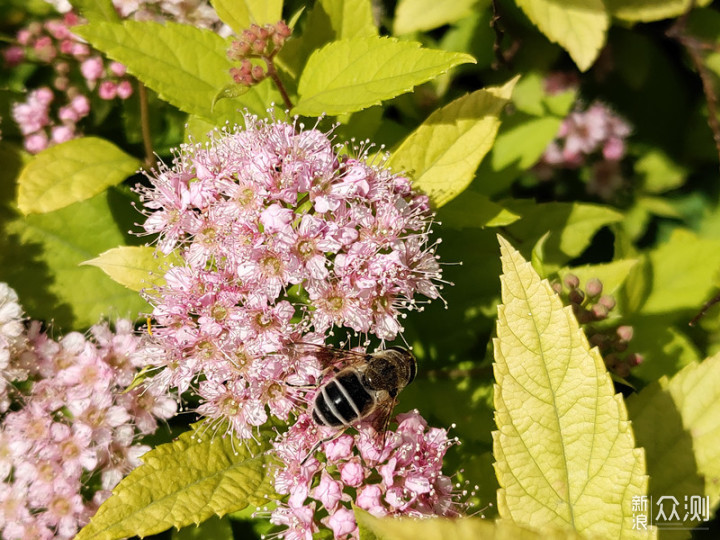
(342, 401)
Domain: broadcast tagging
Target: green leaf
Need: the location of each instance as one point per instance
(578, 26)
(70, 172)
(683, 272)
(650, 10)
(564, 449)
(443, 153)
(214, 528)
(474, 210)
(352, 74)
(96, 10)
(523, 141)
(374, 528)
(135, 267)
(328, 20)
(185, 65)
(183, 482)
(659, 172)
(420, 15)
(665, 349)
(683, 456)
(240, 14)
(40, 257)
(572, 226)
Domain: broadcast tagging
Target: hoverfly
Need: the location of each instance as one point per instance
(365, 387)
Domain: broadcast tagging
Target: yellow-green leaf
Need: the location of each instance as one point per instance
(70, 172)
(185, 65)
(472, 210)
(374, 528)
(650, 10)
(240, 14)
(678, 423)
(564, 449)
(419, 15)
(443, 153)
(352, 74)
(578, 26)
(683, 270)
(183, 482)
(135, 267)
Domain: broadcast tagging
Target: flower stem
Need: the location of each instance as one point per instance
(272, 73)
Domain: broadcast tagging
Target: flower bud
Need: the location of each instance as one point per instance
(625, 333)
(594, 287)
(600, 311)
(571, 281)
(607, 301)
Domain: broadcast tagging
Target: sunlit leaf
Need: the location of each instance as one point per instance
(579, 26)
(565, 452)
(352, 74)
(40, 258)
(240, 14)
(419, 15)
(135, 267)
(443, 153)
(185, 65)
(70, 172)
(474, 210)
(683, 270)
(186, 481)
(678, 423)
(650, 10)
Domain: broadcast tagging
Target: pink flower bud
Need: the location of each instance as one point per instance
(124, 89)
(37, 142)
(13, 55)
(81, 105)
(107, 90)
(80, 50)
(593, 287)
(92, 68)
(61, 134)
(117, 69)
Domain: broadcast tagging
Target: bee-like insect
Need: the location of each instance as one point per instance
(364, 389)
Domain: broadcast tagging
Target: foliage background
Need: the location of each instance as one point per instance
(655, 241)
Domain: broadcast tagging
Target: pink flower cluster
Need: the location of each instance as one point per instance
(68, 433)
(282, 238)
(398, 475)
(585, 132)
(50, 114)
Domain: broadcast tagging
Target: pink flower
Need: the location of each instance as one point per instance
(342, 522)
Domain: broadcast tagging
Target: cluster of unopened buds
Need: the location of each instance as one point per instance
(69, 425)
(51, 113)
(257, 42)
(590, 306)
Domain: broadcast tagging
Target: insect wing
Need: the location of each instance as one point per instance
(379, 420)
(328, 357)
